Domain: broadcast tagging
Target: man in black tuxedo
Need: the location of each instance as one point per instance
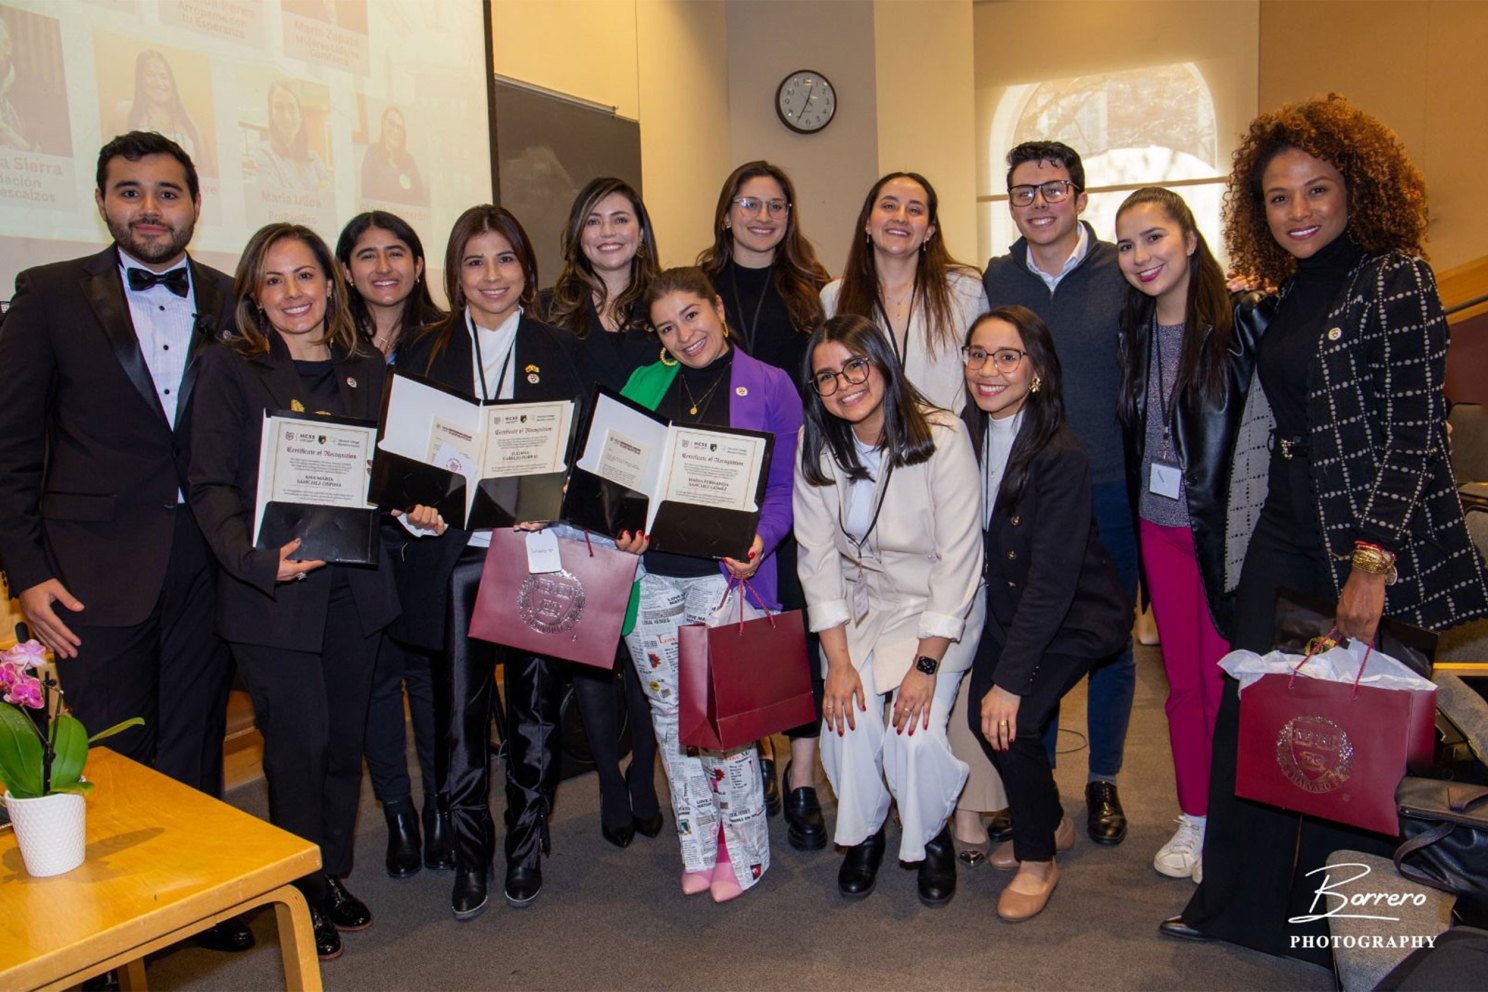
(99, 353)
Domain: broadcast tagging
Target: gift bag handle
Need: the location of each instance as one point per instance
(746, 589)
(1326, 642)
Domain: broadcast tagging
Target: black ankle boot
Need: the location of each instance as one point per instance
(468, 899)
(859, 872)
(938, 870)
(403, 838)
(438, 855)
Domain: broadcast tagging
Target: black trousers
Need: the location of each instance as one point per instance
(172, 670)
(311, 707)
(599, 694)
(532, 706)
(1027, 774)
(398, 667)
(1257, 857)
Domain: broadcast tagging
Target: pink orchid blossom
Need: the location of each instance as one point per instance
(27, 655)
(24, 690)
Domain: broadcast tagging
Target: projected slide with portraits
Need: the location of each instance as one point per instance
(307, 111)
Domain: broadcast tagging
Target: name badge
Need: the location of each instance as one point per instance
(542, 552)
(1167, 480)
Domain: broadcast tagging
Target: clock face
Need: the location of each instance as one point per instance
(805, 101)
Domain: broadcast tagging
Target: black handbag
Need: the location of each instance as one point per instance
(1444, 826)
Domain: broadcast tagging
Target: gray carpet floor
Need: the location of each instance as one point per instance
(616, 919)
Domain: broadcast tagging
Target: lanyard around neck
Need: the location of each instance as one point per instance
(902, 354)
(480, 361)
(748, 331)
(859, 545)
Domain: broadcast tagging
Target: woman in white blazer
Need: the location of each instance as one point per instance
(886, 513)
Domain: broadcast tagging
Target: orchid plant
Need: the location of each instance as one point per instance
(42, 752)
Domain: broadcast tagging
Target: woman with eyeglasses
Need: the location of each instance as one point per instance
(769, 278)
(609, 259)
(717, 796)
(1054, 601)
(891, 560)
(1358, 504)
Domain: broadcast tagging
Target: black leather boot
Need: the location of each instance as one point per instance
(438, 855)
(938, 871)
(403, 838)
(468, 899)
(859, 872)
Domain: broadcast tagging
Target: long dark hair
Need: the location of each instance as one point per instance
(474, 221)
(906, 437)
(1208, 319)
(419, 308)
(859, 293)
(797, 275)
(578, 284)
(1043, 409)
(254, 331)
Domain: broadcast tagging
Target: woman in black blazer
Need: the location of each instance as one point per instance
(1055, 603)
(305, 636)
(489, 348)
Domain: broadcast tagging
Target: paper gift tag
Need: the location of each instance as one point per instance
(1167, 479)
(542, 552)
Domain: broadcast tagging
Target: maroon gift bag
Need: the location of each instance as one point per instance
(1330, 749)
(574, 614)
(743, 680)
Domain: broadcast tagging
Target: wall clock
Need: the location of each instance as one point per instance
(805, 101)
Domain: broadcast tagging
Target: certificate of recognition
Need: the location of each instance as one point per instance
(713, 468)
(526, 439)
(310, 462)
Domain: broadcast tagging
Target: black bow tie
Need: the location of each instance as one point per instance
(178, 281)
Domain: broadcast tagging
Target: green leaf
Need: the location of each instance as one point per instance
(20, 753)
(133, 721)
(76, 788)
(70, 751)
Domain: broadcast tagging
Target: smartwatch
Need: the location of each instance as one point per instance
(926, 664)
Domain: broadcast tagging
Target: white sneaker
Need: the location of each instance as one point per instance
(1180, 856)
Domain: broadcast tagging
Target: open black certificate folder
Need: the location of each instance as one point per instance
(480, 464)
(695, 490)
(312, 485)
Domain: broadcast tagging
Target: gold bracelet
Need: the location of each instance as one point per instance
(1374, 560)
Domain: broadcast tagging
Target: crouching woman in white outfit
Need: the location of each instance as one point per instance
(886, 513)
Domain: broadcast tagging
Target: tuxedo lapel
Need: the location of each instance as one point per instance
(104, 291)
(209, 303)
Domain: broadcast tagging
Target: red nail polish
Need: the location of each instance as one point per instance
(751, 553)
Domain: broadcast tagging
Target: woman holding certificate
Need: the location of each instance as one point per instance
(488, 348)
(305, 635)
(886, 505)
(717, 797)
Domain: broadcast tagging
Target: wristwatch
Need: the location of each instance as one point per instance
(926, 664)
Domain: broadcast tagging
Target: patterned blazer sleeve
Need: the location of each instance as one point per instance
(1406, 355)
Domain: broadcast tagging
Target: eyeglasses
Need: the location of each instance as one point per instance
(1055, 191)
(854, 371)
(751, 205)
(1004, 360)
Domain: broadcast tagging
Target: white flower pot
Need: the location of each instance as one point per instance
(50, 832)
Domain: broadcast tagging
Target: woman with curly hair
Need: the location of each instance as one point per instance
(768, 276)
(1359, 504)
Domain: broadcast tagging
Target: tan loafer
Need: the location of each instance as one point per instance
(1064, 838)
(1015, 907)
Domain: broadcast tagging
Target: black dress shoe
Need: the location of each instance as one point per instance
(772, 786)
(805, 828)
(1000, 825)
(230, 936)
(327, 939)
(468, 898)
(651, 827)
(1107, 820)
(1175, 927)
(522, 885)
(345, 910)
(438, 854)
(859, 872)
(403, 838)
(621, 837)
(937, 879)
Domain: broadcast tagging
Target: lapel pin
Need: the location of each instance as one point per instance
(351, 382)
(741, 391)
(1335, 333)
(295, 406)
(531, 368)
(532, 378)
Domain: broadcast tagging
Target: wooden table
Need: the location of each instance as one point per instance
(163, 862)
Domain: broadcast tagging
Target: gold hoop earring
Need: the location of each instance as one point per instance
(1033, 386)
(725, 330)
(665, 356)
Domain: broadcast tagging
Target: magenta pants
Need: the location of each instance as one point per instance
(1191, 649)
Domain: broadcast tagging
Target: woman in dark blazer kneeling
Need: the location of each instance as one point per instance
(305, 636)
(1055, 603)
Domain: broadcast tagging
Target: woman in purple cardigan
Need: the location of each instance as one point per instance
(717, 797)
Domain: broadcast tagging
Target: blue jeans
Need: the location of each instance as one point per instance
(1113, 680)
